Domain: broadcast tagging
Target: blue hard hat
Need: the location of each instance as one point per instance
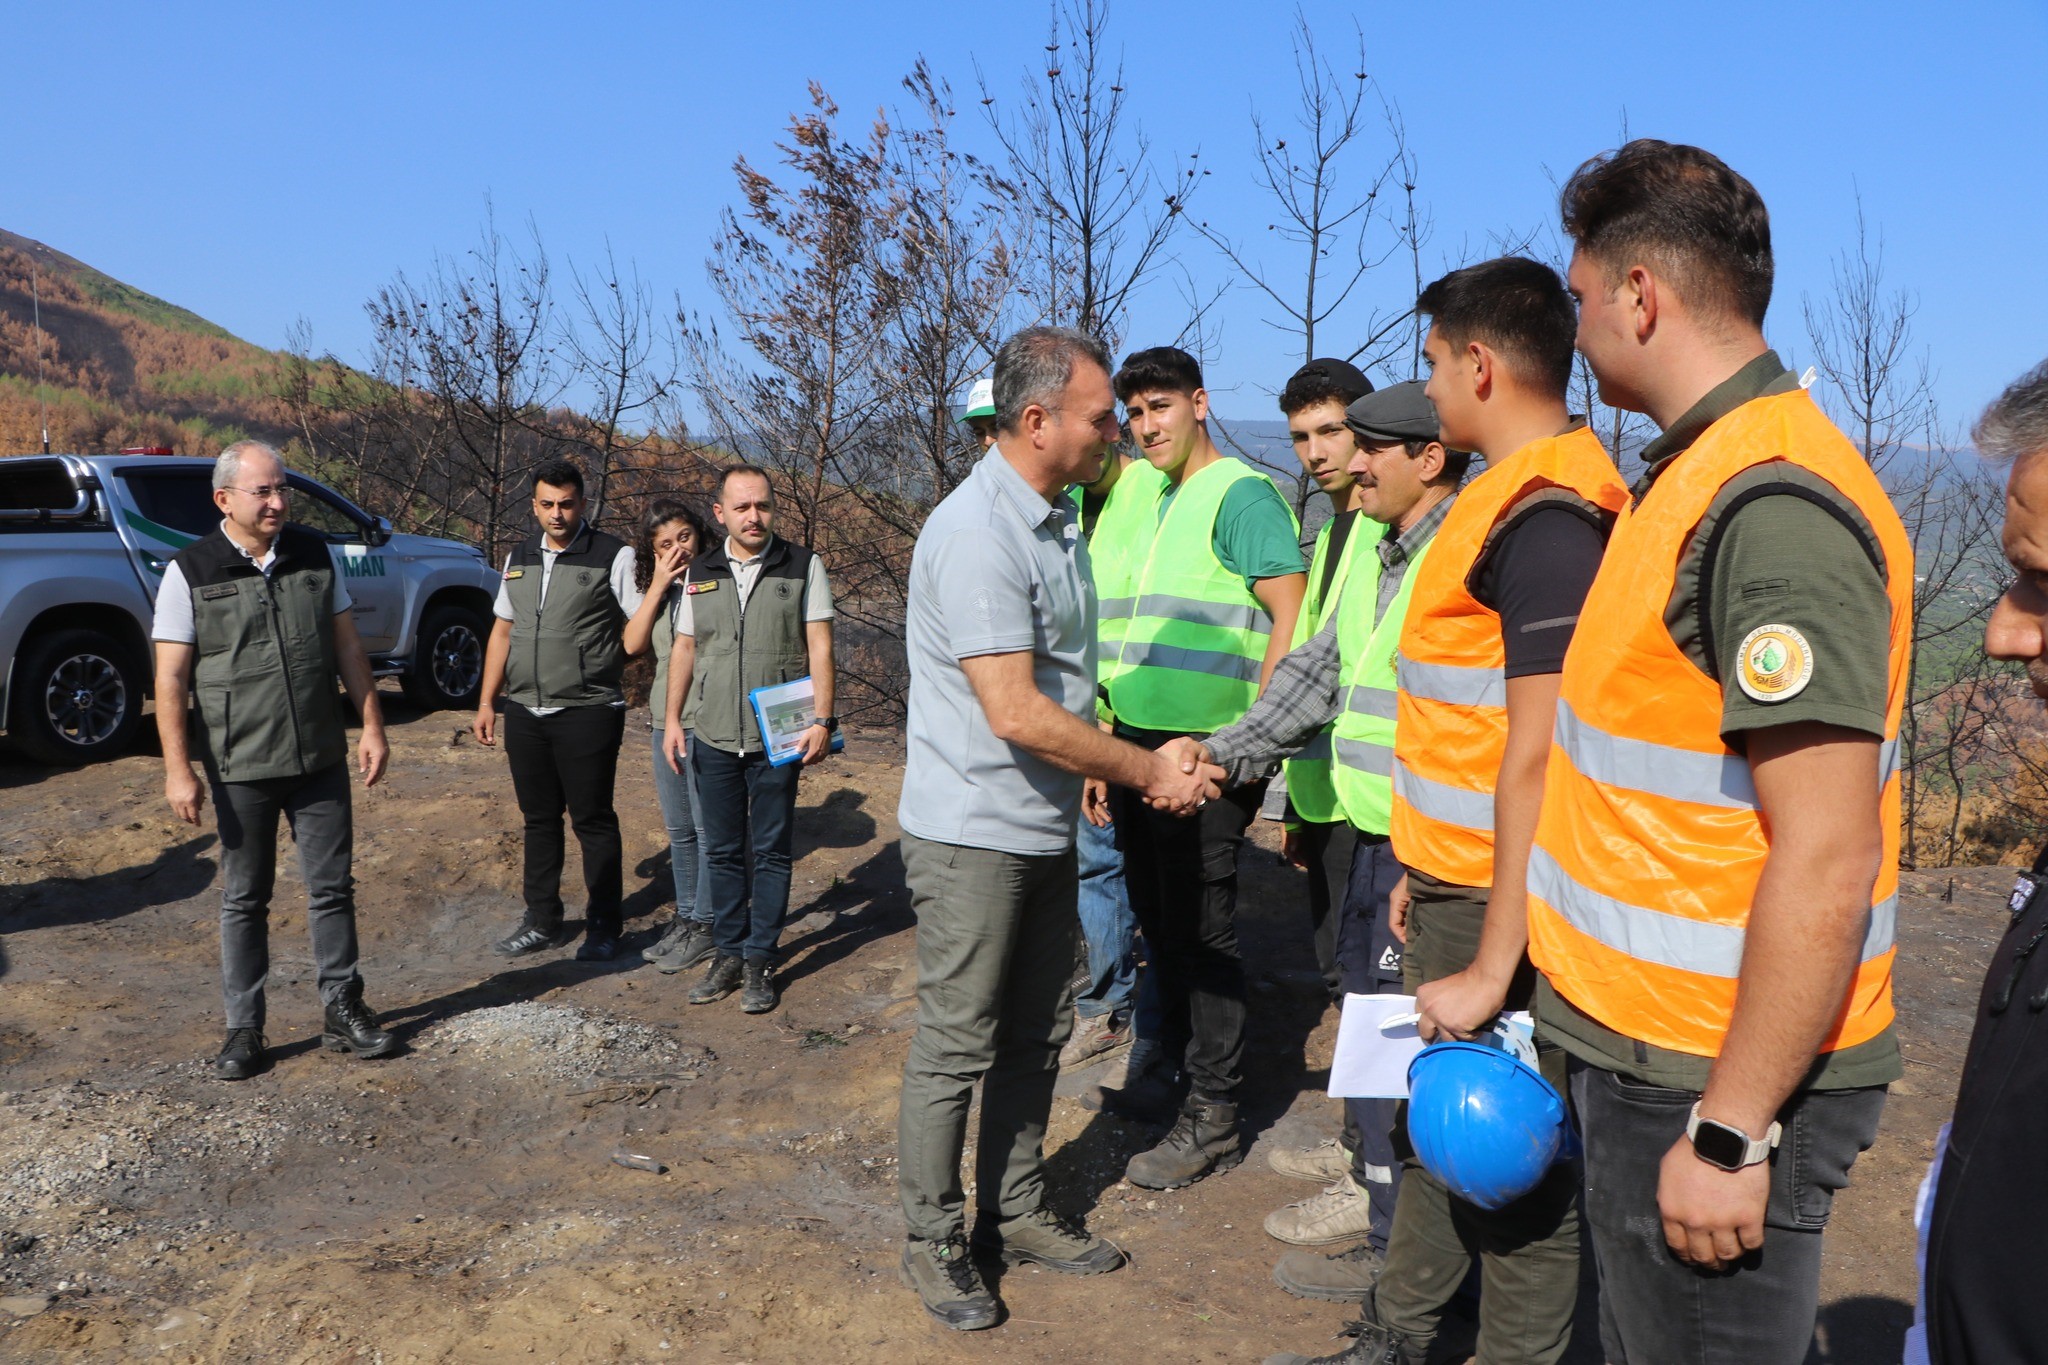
(1484, 1123)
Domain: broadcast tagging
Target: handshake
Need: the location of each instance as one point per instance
(1180, 779)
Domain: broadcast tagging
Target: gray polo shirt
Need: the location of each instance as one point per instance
(997, 570)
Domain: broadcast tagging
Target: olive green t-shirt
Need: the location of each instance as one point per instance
(1779, 546)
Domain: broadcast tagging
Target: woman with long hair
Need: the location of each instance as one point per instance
(671, 534)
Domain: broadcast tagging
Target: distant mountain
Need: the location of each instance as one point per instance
(119, 366)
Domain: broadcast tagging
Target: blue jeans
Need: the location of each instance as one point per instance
(679, 812)
(743, 797)
(1106, 923)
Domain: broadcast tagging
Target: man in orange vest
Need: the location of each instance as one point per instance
(1713, 886)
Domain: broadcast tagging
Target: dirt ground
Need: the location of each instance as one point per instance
(457, 1202)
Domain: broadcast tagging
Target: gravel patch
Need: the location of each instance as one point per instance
(563, 1042)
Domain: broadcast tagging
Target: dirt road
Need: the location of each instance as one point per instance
(457, 1202)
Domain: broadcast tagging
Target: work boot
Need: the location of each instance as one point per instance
(1323, 1163)
(1204, 1139)
(1338, 1214)
(351, 1027)
(671, 934)
(1338, 1277)
(687, 946)
(1371, 1344)
(1042, 1237)
(1150, 1093)
(945, 1277)
(1095, 1039)
(759, 995)
(527, 940)
(721, 979)
(243, 1055)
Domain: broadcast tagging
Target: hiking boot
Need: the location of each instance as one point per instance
(721, 979)
(526, 940)
(759, 994)
(671, 934)
(1042, 1237)
(1204, 1139)
(243, 1055)
(1095, 1039)
(945, 1277)
(1371, 1344)
(1339, 1277)
(685, 948)
(351, 1027)
(1338, 1214)
(1325, 1163)
(598, 948)
(1151, 1093)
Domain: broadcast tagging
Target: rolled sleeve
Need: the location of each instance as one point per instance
(982, 593)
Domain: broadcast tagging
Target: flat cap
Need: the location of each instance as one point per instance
(1398, 413)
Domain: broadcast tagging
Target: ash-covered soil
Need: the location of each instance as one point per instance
(459, 1201)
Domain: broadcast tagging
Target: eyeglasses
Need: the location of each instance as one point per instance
(266, 492)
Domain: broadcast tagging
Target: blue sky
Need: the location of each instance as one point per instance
(264, 164)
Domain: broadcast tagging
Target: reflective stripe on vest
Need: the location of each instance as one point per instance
(1117, 543)
(1311, 774)
(1452, 726)
(1191, 652)
(1367, 691)
(1651, 844)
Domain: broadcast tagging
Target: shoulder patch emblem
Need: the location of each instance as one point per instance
(701, 585)
(1774, 664)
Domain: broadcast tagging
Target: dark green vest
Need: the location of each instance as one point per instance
(264, 679)
(740, 651)
(566, 650)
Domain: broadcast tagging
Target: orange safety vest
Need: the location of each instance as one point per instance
(1650, 843)
(1451, 716)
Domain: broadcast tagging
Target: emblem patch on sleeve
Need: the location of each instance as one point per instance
(1774, 664)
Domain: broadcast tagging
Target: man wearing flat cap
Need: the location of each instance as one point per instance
(1340, 682)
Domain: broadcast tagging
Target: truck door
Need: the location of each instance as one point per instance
(372, 576)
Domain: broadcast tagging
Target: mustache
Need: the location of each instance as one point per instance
(2037, 676)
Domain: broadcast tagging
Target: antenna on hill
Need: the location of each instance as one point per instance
(42, 399)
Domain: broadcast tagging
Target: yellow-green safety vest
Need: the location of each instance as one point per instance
(1311, 782)
(1362, 740)
(1117, 544)
(1190, 658)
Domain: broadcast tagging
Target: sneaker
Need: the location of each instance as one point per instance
(598, 949)
(1325, 1163)
(721, 979)
(671, 934)
(1095, 1039)
(1042, 1237)
(1338, 1214)
(526, 940)
(243, 1055)
(758, 994)
(1204, 1140)
(946, 1279)
(687, 946)
(1336, 1277)
(351, 1027)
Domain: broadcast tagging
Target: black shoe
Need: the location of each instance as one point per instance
(759, 995)
(721, 979)
(351, 1027)
(1371, 1344)
(243, 1055)
(527, 940)
(598, 949)
(1204, 1140)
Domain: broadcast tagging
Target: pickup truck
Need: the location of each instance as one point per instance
(84, 540)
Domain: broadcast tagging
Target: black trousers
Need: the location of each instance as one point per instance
(568, 761)
(1326, 850)
(1182, 878)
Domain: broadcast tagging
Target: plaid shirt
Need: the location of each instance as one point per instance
(1301, 699)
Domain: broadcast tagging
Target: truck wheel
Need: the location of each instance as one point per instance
(77, 698)
(448, 660)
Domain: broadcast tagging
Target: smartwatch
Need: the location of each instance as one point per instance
(1723, 1145)
(831, 724)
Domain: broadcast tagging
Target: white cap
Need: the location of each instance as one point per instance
(981, 400)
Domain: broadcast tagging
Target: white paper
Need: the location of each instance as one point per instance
(1372, 1063)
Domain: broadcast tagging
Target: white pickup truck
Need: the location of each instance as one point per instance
(84, 540)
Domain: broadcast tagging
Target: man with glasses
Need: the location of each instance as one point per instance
(253, 622)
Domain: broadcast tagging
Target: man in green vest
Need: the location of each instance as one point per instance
(252, 622)
(1340, 682)
(1215, 602)
(1118, 515)
(756, 612)
(558, 656)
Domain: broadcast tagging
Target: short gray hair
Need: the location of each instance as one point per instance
(1035, 366)
(228, 467)
(2017, 424)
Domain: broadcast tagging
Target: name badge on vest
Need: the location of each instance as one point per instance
(701, 585)
(219, 590)
(511, 574)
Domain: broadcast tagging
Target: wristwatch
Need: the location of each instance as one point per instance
(831, 724)
(1723, 1145)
